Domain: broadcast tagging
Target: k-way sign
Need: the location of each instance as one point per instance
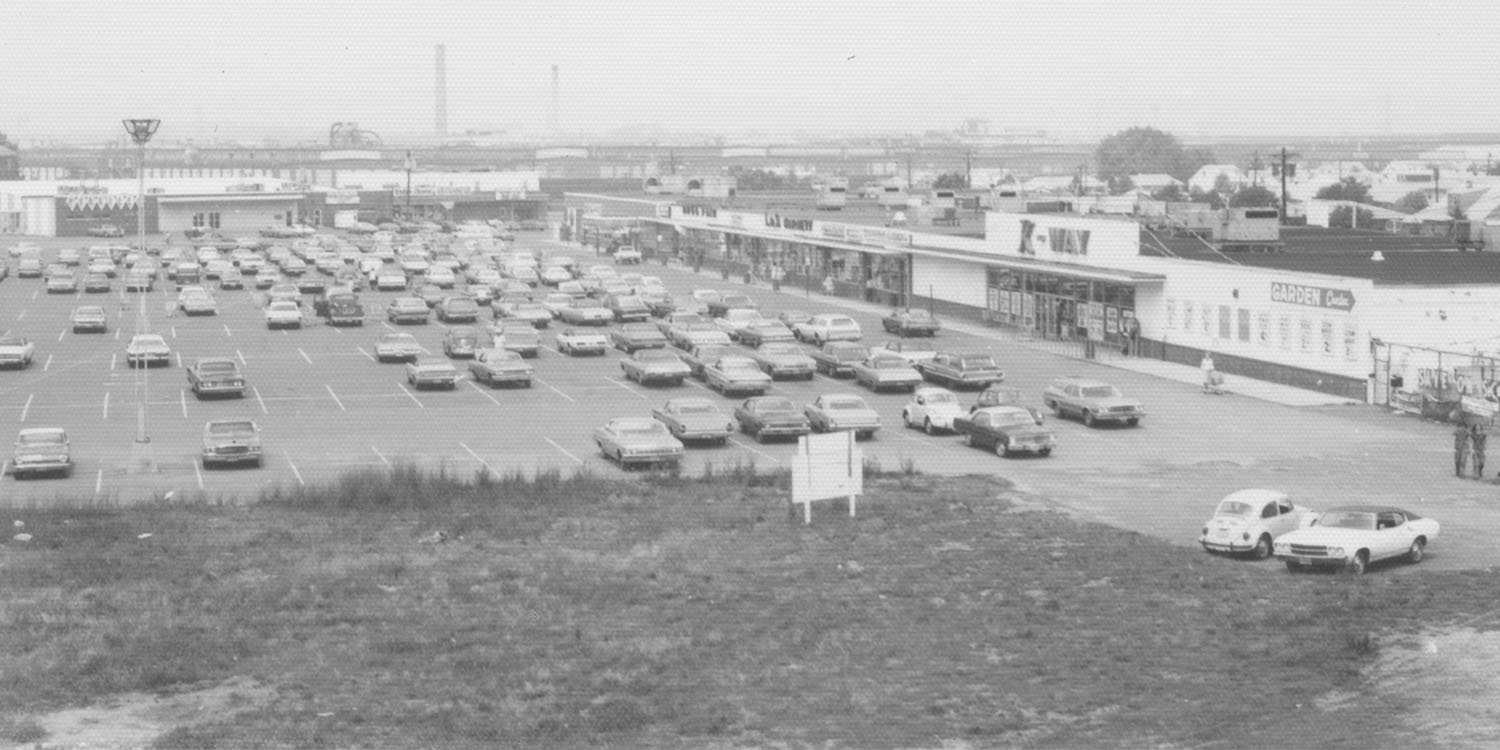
(1312, 296)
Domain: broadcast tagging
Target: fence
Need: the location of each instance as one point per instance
(1432, 382)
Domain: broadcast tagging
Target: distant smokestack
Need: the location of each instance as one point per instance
(441, 123)
(552, 124)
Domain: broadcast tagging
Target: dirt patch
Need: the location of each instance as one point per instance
(138, 719)
(1445, 684)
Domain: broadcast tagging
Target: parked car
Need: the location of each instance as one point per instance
(631, 337)
(146, 349)
(996, 394)
(460, 341)
(914, 352)
(533, 313)
(881, 372)
(96, 283)
(554, 275)
(89, 319)
(838, 358)
(1092, 401)
(311, 285)
(931, 408)
(730, 375)
(764, 331)
(586, 311)
(106, 230)
(962, 369)
(783, 360)
(216, 376)
(16, 351)
(199, 302)
(397, 347)
(721, 305)
(628, 308)
(836, 412)
(637, 440)
(456, 308)
(763, 417)
(911, 322)
(793, 318)
(390, 279)
(431, 372)
(231, 441)
(696, 333)
(29, 267)
(1355, 536)
(517, 336)
(497, 367)
(41, 450)
(407, 310)
(1005, 429)
(733, 321)
(283, 314)
(1250, 522)
(699, 356)
(648, 366)
(572, 341)
(828, 327)
(694, 419)
(62, 282)
(341, 308)
(625, 254)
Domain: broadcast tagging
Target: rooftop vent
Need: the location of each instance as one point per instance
(1377, 256)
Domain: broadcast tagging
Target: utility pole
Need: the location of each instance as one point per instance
(969, 169)
(1256, 166)
(1284, 170)
(908, 172)
(410, 163)
(1434, 184)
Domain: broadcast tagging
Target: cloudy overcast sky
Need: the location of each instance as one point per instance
(70, 71)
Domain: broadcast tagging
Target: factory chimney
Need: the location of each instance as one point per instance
(441, 122)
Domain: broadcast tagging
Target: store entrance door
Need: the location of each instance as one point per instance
(1056, 317)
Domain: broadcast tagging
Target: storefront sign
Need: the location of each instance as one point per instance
(1312, 296)
(832, 231)
(1112, 320)
(1093, 319)
(341, 197)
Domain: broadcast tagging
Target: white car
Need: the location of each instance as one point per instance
(388, 280)
(627, 254)
(1250, 521)
(398, 347)
(431, 372)
(1352, 537)
(932, 409)
(828, 327)
(441, 276)
(283, 314)
(41, 450)
(16, 351)
(146, 349)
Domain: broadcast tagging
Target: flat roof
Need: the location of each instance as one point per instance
(1408, 259)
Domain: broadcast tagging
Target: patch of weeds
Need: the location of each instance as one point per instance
(619, 715)
(22, 730)
(1362, 644)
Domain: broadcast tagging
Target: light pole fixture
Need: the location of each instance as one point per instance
(142, 457)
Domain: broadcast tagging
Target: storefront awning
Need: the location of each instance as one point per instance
(1069, 270)
(792, 239)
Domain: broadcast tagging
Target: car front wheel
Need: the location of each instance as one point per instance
(1417, 551)
(1088, 418)
(927, 427)
(1262, 548)
(1002, 449)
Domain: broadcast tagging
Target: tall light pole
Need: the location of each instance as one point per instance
(410, 165)
(142, 459)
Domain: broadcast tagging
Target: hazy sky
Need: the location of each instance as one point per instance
(71, 70)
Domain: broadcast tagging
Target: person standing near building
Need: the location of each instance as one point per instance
(1461, 433)
(1477, 438)
(1207, 366)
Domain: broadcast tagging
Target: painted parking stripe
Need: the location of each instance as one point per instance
(292, 464)
(258, 399)
(483, 393)
(549, 385)
(227, 332)
(27, 407)
(563, 450)
(481, 461)
(241, 356)
(113, 355)
(409, 395)
(61, 334)
(335, 398)
(368, 355)
(755, 450)
(98, 481)
(198, 472)
(628, 389)
(304, 355)
(106, 405)
(382, 457)
(182, 396)
(47, 364)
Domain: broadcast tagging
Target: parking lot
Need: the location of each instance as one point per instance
(325, 406)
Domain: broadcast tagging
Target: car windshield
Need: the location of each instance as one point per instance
(89, 311)
(842, 323)
(918, 315)
(781, 349)
(640, 328)
(844, 403)
(1011, 419)
(655, 355)
(1100, 391)
(12, 341)
(738, 365)
(398, 338)
(40, 438)
(230, 428)
(888, 363)
(1348, 519)
(848, 353)
(464, 302)
(942, 398)
(702, 326)
(149, 341)
(696, 408)
(215, 368)
(629, 302)
(587, 302)
(283, 306)
(1234, 508)
(978, 361)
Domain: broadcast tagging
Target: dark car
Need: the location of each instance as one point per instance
(1006, 429)
(628, 308)
(632, 337)
(910, 322)
(838, 358)
(731, 301)
(962, 369)
(763, 417)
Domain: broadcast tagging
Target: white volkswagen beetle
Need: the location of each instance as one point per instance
(932, 409)
(1250, 521)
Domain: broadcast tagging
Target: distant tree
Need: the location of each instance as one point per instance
(1349, 189)
(1213, 199)
(1339, 218)
(1147, 151)
(1412, 202)
(951, 181)
(1254, 196)
(1120, 185)
(760, 180)
(1222, 185)
(1172, 192)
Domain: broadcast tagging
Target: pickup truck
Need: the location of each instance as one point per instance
(216, 376)
(41, 450)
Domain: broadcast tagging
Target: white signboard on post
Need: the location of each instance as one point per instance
(826, 466)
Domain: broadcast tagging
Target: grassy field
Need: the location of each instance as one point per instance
(687, 612)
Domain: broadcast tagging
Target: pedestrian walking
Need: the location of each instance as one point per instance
(1461, 434)
(828, 286)
(1207, 366)
(1477, 438)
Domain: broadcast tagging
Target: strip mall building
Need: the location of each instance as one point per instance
(1075, 278)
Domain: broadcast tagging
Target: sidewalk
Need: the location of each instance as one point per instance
(1257, 389)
